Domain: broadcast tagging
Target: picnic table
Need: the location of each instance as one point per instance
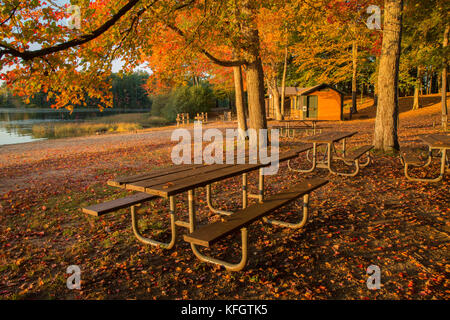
(178, 179)
(438, 141)
(289, 128)
(328, 140)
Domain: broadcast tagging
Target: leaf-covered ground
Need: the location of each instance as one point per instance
(377, 218)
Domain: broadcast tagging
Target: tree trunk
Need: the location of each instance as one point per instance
(416, 104)
(439, 83)
(362, 93)
(386, 122)
(421, 88)
(272, 84)
(239, 93)
(283, 82)
(254, 69)
(353, 109)
(444, 84)
(430, 80)
(255, 92)
(375, 84)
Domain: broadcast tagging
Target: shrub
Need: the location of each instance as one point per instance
(192, 100)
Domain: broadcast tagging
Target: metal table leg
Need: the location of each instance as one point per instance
(152, 242)
(314, 162)
(192, 226)
(437, 179)
(211, 207)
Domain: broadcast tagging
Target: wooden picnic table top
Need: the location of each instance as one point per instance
(437, 140)
(178, 182)
(176, 179)
(327, 137)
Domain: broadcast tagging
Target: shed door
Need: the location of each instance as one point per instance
(312, 107)
(304, 106)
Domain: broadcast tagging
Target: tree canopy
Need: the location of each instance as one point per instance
(198, 40)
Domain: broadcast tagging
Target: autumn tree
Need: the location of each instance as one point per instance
(334, 40)
(214, 30)
(424, 52)
(269, 23)
(40, 53)
(69, 62)
(275, 25)
(349, 17)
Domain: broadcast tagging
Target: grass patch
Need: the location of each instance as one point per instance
(144, 119)
(126, 122)
(65, 130)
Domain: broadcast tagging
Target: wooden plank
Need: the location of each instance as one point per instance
(119, 181)
(327, 137)
(336, 136)
(436, 140)
(191, 173)
(353, 155)
(211, 233)
(114, 205)
(140, 182)
(321, 137)
(411, 158)
(282, 156)
(171, 188)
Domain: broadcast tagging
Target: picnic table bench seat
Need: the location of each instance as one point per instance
(209, 234)
(410, 158)
(100, 209)
(354, 157)
(356, 154)
(131, 202)
(440, 142)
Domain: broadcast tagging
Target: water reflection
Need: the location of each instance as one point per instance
(16, 124)
(8, 136)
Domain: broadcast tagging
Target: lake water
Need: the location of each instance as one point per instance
(16, 124)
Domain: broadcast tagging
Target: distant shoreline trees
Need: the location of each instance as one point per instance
(128, 93)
